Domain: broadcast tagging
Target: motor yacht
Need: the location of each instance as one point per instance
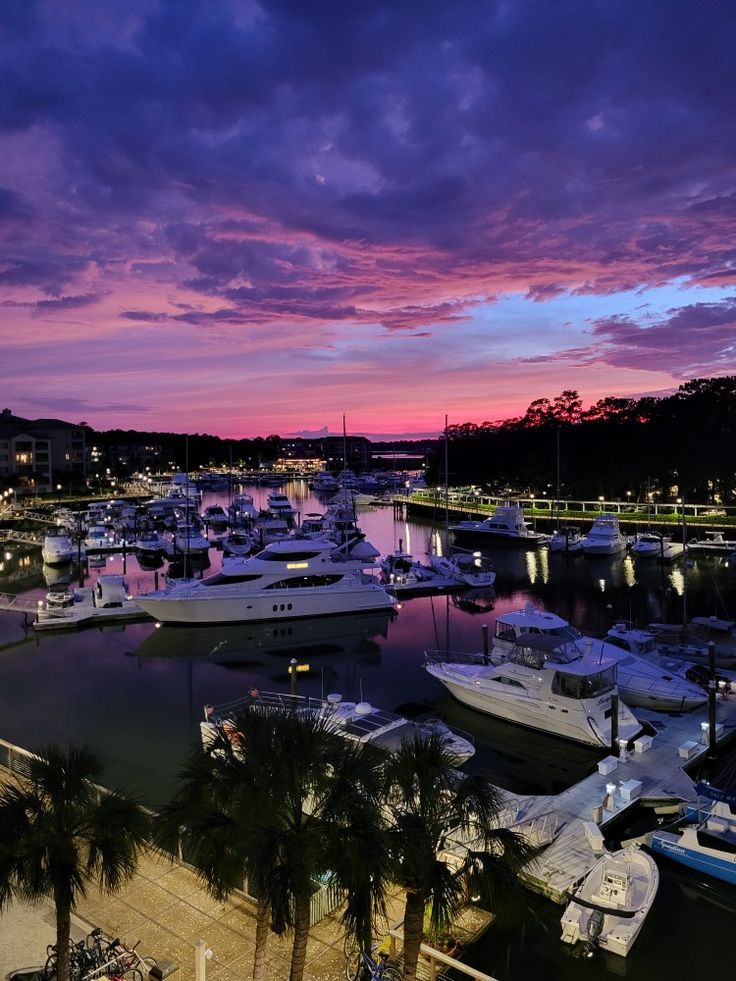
(280, 506)
(567, 539)
(238, 542)
(324, 483)
(506, 524)
(287, 579)
(641, 683)
(356, 722)
(401, 573)
(215, 516)
(188, 540)
(242, 511)
(151, 545)
(98, 537)
(604, 537)
(540, 683)
(464, 568)
(57, 548)
(650, 545)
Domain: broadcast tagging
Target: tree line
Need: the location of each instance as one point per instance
(281, 800)
(676, 445)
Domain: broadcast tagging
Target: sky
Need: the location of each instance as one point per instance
(246, 218)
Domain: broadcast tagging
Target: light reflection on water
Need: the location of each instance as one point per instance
(137, 692)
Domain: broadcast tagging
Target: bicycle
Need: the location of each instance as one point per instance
(359, 964)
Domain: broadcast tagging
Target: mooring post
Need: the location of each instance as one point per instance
(712, 686)
(485, 643)
(614, 724)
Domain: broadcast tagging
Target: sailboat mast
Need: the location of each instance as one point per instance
(447, 480)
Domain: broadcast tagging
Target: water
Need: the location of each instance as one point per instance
(137, 692)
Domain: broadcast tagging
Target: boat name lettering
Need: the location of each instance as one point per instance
(667, 846)
(297, 565)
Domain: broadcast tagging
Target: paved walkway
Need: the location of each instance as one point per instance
(166, 910)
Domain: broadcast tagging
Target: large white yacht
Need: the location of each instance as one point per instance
(287, 579)
(506, 524)
(604, 537)
(640, 682)
(541, 684)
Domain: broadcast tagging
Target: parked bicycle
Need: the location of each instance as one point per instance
(360, 965)
(98, 956)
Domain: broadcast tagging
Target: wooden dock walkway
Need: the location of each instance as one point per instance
(655, 776)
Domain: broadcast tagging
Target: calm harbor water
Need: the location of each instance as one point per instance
(137, 693)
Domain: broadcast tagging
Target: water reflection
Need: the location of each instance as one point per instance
(251, 644)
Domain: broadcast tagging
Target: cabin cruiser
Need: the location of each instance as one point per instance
(692, 640)
(287, 579)
(567, 539)
(652, 545)
(464, 568)
(215, 516)
(188, 540)
(356, 722)
(269, 528)
(57, 548)
(151, 545)
(604, 537)
(98, 537)
(280, 506)
(641, 683)
(506, 524)
(541, 683)
(402, 573)
(324, 483)
(242, 511)
(238, 542)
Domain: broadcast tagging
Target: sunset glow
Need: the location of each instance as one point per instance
(247, 218)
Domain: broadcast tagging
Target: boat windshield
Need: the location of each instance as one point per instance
(584, 685)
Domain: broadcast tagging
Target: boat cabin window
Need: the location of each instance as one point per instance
(304, 582)
(505, 632)
(584, 686)
(266, 556)
(510, 682)
(221, 580)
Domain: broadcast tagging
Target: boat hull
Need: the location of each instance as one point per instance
(566, 722)
(287, 604)
(675, 846)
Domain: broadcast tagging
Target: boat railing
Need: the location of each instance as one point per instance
(455, 657)
(271, 699)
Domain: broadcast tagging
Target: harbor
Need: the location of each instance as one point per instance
(555, 790)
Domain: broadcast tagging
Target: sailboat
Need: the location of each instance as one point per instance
(467, 569)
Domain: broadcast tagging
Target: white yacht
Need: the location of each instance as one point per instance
(215, 516)
(189, 540)
(280, 506)
(57, 548)
(287, 579)
(506, 524)
(324, 483)
(98, 537)
(241, 510)
(640, 682)
(357, 722)
(604, 537)
(541, 683)
(109, 599)
(567, 539)
(239, 542)
(403, 574)
(655, 546)
(464, 568)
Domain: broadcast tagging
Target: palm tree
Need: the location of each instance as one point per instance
(283, 800)
(445, 841)
(59, 833)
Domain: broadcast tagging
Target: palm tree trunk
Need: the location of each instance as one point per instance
(301, 934)
(63, 931)
(413, 930)
(263, 915)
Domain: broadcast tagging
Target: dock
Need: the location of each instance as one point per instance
(653, 773)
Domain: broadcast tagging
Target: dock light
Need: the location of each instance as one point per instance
(158, 625)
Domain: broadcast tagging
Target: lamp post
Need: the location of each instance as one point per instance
(600, 503)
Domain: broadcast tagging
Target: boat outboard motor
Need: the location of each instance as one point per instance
(595, 925)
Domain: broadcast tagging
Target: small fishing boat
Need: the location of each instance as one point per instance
(609, 907)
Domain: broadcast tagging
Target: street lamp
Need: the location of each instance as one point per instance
(600, 503)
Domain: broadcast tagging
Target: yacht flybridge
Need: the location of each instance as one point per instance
(287, 579)
(506, 524)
